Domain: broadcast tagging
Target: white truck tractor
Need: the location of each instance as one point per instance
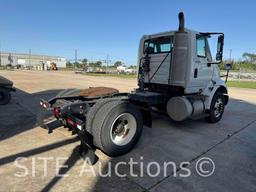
(176, 75)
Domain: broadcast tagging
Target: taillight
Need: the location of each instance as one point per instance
(56, 112)
(42, 104)
(69, 121)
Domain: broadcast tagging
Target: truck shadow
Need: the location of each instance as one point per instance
(38, 150)
(20, 114)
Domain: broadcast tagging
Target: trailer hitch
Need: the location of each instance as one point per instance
(86, 147)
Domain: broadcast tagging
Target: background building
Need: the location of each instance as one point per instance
(31, 60)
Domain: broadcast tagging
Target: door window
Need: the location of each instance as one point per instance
(201, 46)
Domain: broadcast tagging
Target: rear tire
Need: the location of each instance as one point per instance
(217, 108)
(90, 117)
(5, 96)
(117, 127)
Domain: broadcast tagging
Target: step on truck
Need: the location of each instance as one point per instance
(177, 75)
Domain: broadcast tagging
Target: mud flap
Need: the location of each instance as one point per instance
(87, 154)
(147, 119)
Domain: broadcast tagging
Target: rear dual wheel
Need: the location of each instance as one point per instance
(116, 127)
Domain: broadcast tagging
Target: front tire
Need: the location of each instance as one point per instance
(117, 127)
(217, 108)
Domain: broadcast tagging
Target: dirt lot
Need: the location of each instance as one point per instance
(231, 144)
(36, 81)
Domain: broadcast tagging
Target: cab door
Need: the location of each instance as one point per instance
(203, 71)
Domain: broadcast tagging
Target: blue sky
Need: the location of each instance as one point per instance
(97, 28)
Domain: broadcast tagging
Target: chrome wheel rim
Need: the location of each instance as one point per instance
(123, 129)
(218, 107)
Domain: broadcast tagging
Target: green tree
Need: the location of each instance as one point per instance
(249, 57)
(85, 62)
(98, 64)
(91, 64)
(95, 64)
(77, 65)
(69, 64)
(118, 63)
(132, 67)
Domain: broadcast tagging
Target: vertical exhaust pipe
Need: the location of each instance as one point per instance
(181, 22)
(180, 68)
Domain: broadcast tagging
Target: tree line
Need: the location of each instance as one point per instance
(248, 63)
(97, 64)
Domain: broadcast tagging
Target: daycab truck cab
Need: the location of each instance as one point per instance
(180, 65)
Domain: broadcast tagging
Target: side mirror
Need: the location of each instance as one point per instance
(149, 50)
(220, 45)
(227, 66)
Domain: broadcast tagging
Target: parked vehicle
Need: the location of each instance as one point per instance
(6, 87)
(176, 75)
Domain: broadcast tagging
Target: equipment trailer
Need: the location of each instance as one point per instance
(176, 75)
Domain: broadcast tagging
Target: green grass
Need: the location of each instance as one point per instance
(242, 84)
(112, 75)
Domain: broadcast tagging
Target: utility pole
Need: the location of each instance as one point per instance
(107, 61)
(75, 55)
(29, 57)
(230, 53)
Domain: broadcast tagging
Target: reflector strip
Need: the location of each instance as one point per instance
(69, 121)
(79, 127)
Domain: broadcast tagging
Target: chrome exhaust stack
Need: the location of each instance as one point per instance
(180, 68)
